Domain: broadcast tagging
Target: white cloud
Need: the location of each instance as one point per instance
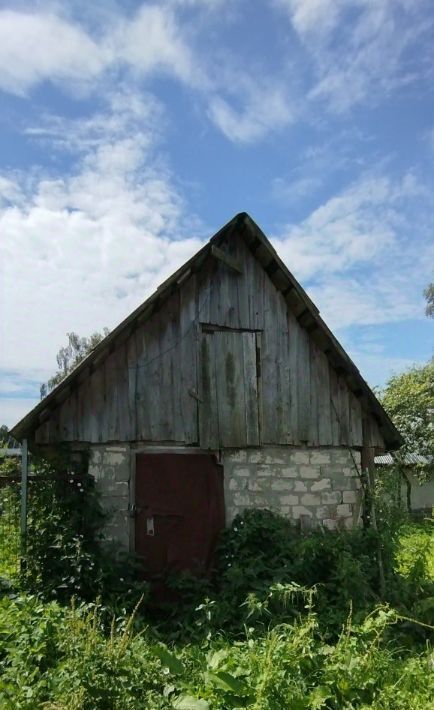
(92, 245)
(35, 47)
(350, 228)
(263, 107)
(356, 252)
(360, 48)
(40, 46)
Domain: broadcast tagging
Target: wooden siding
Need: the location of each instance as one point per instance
(166, 383)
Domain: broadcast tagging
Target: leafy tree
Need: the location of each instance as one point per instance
(70, 356)
(4, 435)
(409, 399)
(429, 295)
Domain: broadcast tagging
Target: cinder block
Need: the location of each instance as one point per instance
(323, 484)
(300, 487)
(349, 497)
(299, 510)
(310, 499)
(254, 485)
(241, 471)
(239, 456)
(350, 471)
(320, 457)
(95, 456)
(331, 497)
(300, 457)
(289, 500)
(241, 499)
(272, 457)
(289, 471)
(265, 470)
(122, 473)
(309, 471)
(254, 456)
(281, 484)
(330, 524)
(114, 458)
(325, 511)
(344, 510)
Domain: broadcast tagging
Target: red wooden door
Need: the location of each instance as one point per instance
(180, 512)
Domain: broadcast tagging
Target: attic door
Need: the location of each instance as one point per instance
(228, 402)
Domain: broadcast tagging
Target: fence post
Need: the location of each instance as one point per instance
(24, 475)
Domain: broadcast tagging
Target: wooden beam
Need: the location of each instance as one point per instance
(226, 259)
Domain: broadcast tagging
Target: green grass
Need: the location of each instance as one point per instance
(416, 548)
(9, 533)
(270, 645)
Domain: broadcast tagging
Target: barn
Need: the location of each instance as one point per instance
(225, 390)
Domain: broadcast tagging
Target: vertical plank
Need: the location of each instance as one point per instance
(303, 377)
(325, 437)
(293, 329)
(208, 409)
(344, 412)
(188, 361)
(132, 385)
(121, 364)
(250, 388)
(271, 399)
(334, 402)
(314, 390)
(111, 394)
(356, 416)
(231, 403)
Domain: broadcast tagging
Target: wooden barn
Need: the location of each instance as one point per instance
(224, 390)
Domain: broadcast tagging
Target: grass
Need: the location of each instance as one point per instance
(9, 532)
(416, 548)
(282, 653)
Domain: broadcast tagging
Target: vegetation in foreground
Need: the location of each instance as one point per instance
(286, 622)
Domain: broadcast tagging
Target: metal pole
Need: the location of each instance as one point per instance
(24, 476)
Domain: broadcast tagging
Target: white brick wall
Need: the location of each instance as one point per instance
(322, 484)
(111, 468)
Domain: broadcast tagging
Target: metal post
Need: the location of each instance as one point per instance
(24, 476)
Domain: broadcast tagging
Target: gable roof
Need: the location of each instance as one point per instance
(297, 299)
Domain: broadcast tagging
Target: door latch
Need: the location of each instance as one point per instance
(150, 526)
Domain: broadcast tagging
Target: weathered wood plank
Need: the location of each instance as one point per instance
(314, 395)
(325, 437)
(250, 388)
(293, 329)
(188, 362)
(208, 409)
(303, 379)
(334, 402)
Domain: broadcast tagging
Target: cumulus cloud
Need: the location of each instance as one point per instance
(93, 244)
(345, 248)
(40, 46)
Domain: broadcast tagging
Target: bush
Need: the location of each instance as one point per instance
(66, 551)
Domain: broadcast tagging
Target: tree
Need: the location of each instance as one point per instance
(429, 295)
(70, 356)
(409, 400)
(4, 435)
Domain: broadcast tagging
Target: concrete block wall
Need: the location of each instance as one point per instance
(111, 468)
(321, 486)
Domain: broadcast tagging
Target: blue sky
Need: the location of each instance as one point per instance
(130, 132)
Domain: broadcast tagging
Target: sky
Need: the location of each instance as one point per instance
(130, 132)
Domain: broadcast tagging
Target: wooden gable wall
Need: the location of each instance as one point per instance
(150, 388)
